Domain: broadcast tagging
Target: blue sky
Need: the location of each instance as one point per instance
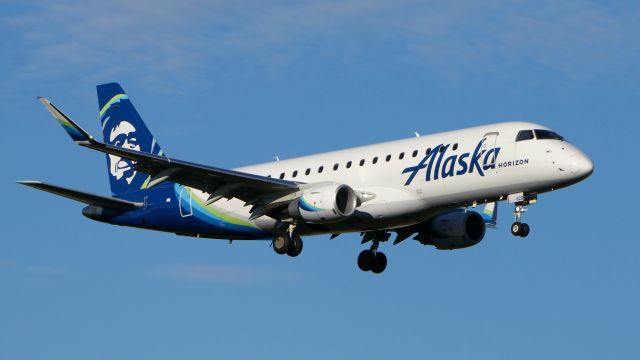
(230, 83)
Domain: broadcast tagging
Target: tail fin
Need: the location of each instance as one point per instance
(122, 126)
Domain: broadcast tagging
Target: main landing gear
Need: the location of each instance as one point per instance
(288, 242)
(372, 259)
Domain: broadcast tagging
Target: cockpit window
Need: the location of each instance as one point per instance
(547, 135)
(524, 135)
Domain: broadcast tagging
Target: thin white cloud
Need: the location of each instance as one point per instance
(98, 40)
(574, 38)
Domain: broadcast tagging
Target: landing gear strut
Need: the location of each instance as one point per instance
(288, 242)
(519, 228)
(521, 200)
(372, 259)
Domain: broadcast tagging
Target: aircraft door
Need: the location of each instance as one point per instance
(185, 202)
(488, 149)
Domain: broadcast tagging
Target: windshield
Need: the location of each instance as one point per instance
(524, 135)
(547, 135)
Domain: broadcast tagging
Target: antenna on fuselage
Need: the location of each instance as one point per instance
(277, 158)
(417, 135)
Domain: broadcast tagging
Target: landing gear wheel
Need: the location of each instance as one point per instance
(366, 260)
(296, 246)
(282, 243)
(380, 263)
(520, 229)
(516, 228)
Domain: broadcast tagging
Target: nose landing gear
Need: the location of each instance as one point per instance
(518, 228)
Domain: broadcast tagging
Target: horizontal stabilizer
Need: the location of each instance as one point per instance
(87, 198)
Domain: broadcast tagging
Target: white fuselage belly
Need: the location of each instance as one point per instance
(532, 166)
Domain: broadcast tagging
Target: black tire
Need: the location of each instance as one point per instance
(380, 263)
(296, 246)
(282, 243)
(524, 231)
(516, 228)
(366, 260)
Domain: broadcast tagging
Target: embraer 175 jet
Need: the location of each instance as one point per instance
(423, 185)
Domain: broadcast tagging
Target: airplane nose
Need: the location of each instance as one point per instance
(582, 165)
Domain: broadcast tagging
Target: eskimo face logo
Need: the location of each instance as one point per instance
(123, 135)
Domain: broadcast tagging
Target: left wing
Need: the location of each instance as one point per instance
(261, 192)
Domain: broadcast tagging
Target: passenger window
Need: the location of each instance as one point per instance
(455, 146)
(335, 166)
(375, 160)
(282, 176)
(428, 151)
(415, 153)
(307, 172)
(320, 169)
(442, 148)
(348, 164)
(388, 157)
(401, 156)
(361, 162)
(524, 135)
(295, 173)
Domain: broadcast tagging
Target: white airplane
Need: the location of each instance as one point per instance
(422, 185)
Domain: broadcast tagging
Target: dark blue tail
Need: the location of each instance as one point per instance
(122, 126)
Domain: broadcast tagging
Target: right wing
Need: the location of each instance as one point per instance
(263, 193)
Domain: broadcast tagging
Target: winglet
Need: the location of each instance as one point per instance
(76, 132)
(490, 214)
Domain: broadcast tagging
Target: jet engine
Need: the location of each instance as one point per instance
(454, 230)
(324, 203)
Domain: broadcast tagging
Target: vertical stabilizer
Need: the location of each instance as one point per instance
(122, 126)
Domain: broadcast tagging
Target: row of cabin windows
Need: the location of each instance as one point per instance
(336, 166)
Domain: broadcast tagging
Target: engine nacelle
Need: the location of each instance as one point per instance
(454, 230)
(324, 203)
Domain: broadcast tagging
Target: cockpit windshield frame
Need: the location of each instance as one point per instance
(525, 135)
(543, 134)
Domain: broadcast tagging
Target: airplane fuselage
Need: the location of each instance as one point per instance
(401, 183)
